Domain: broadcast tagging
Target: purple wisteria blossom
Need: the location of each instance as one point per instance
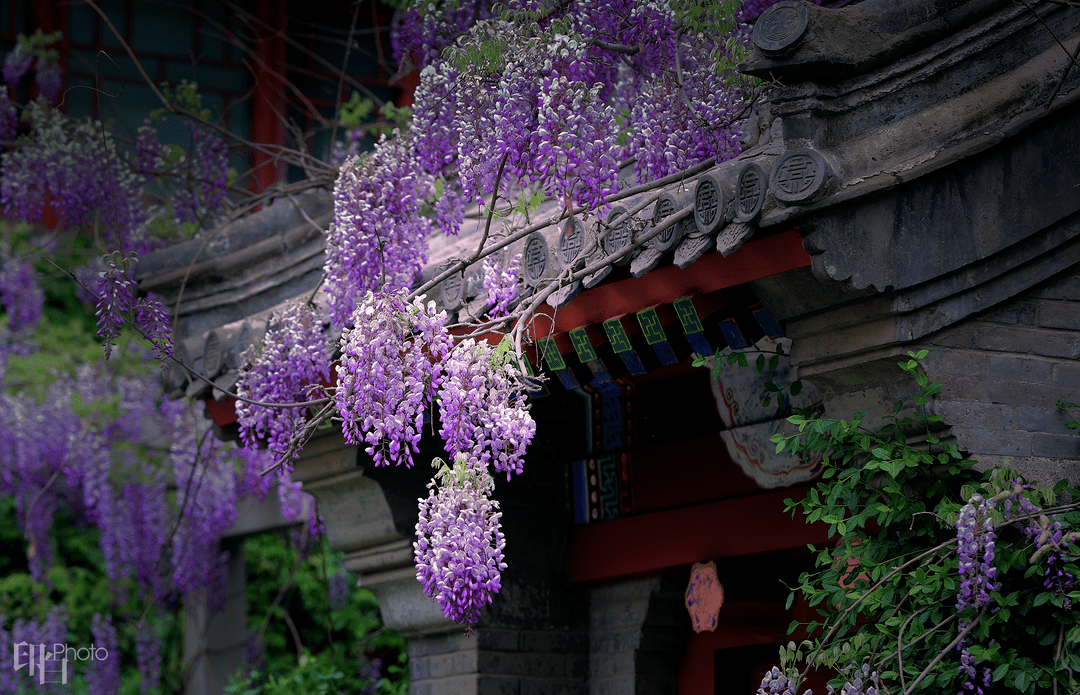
(206, 494)
(377, 238)
(115, 296)
(149, 154)
(483, 410)
(776, 683)
(48, 79)
(391, 366)
(339, 584)
(9, 118)
(292, 358)
(104, 675)
(500, 283)
(459, 541)
(74, 169)
(859, 681)
(20, 295)
(148, 656)
(155, 321)
(976, 535)
(16, 63)
(205, 176)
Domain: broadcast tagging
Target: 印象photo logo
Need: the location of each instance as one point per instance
(51, 664)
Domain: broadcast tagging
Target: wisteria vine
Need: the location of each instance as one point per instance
(966, 580)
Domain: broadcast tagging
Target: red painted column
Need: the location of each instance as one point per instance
(268, 98)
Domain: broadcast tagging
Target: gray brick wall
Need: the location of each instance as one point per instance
(637, 632)
(499, 662)
(1003, 371)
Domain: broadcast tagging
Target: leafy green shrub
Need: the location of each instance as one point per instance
(941, 578)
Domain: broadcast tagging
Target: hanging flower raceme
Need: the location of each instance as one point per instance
(203, 187)
(391, 366)
(21, 296)
(292, 358)
(500, 283)
(976, 539)
(459, 542)
(378, 236)
(115, 296)
(776, 682)
(483, 410)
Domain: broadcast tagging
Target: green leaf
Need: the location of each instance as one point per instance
(796, 387)
(760, 363)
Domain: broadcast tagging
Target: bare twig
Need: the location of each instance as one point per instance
(941, 655)
(494, 201)
(344, 67)
(843, 616)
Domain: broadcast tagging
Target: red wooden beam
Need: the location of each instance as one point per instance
(223, 411)
(648, 543)
(756, 259)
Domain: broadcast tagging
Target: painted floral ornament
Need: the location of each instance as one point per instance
(704, 596)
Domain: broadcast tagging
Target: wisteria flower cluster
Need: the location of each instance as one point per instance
(390, 369)
(500, 283)
(378, 236)
(292, 358)
(20, 295)
(76, 170)
(976, 540)
(776, 683)
(52, 630)
(562, 99)
(459, 541)
(862, 681)
(482, 407)
(205, 175)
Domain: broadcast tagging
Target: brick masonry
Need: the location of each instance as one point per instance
(637, 632)
(1003, 371)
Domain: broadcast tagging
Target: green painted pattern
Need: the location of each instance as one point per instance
(617, 336)
(688, 315)
(651, 326)
(582, 346)
(551, 353)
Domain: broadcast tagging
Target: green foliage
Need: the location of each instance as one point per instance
(333, 642)
(1069, 409)
(886, 588)
(765, 360)
(399, 117)
(39, 44)
(355, 111)
(77, 581)
(164, 225)
(719, 18)
(184, 96)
